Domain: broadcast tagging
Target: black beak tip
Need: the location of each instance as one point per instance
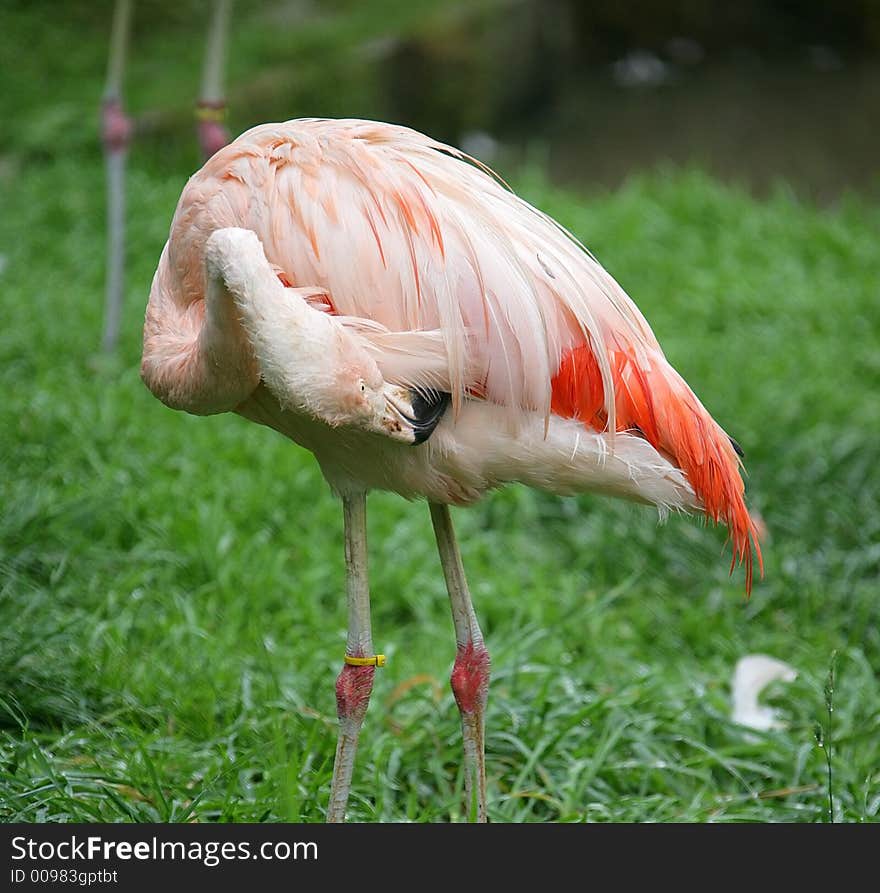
(428, 408)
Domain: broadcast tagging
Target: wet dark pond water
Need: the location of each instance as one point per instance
(755, 99)
(817, 130)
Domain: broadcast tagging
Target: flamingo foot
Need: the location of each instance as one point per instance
(353, 688)
(470, 685)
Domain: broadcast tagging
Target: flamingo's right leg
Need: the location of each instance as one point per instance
(355, 682)
(470, 673)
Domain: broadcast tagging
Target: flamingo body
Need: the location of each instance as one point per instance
(556, 379)
(386, 302)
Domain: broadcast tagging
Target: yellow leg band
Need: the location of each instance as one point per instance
(375, 660)
(210, 113)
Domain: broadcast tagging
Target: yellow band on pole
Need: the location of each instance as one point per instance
(375, 660)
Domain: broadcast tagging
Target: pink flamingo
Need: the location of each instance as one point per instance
(386, 302)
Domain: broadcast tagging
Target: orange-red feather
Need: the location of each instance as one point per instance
(658, 403)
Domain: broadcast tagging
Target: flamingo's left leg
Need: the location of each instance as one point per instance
(470, 673)
(355, 682)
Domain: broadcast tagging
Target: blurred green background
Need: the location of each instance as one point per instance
(171, 610)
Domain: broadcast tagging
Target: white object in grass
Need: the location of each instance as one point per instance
(753, 673)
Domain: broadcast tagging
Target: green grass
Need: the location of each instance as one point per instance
(171, 588)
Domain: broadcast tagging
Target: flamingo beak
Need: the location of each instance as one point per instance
(412, 416)
(397, 422)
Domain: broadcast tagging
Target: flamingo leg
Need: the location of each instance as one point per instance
(470, 673)
(354, 683)
(211, 108)
(116, 130)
